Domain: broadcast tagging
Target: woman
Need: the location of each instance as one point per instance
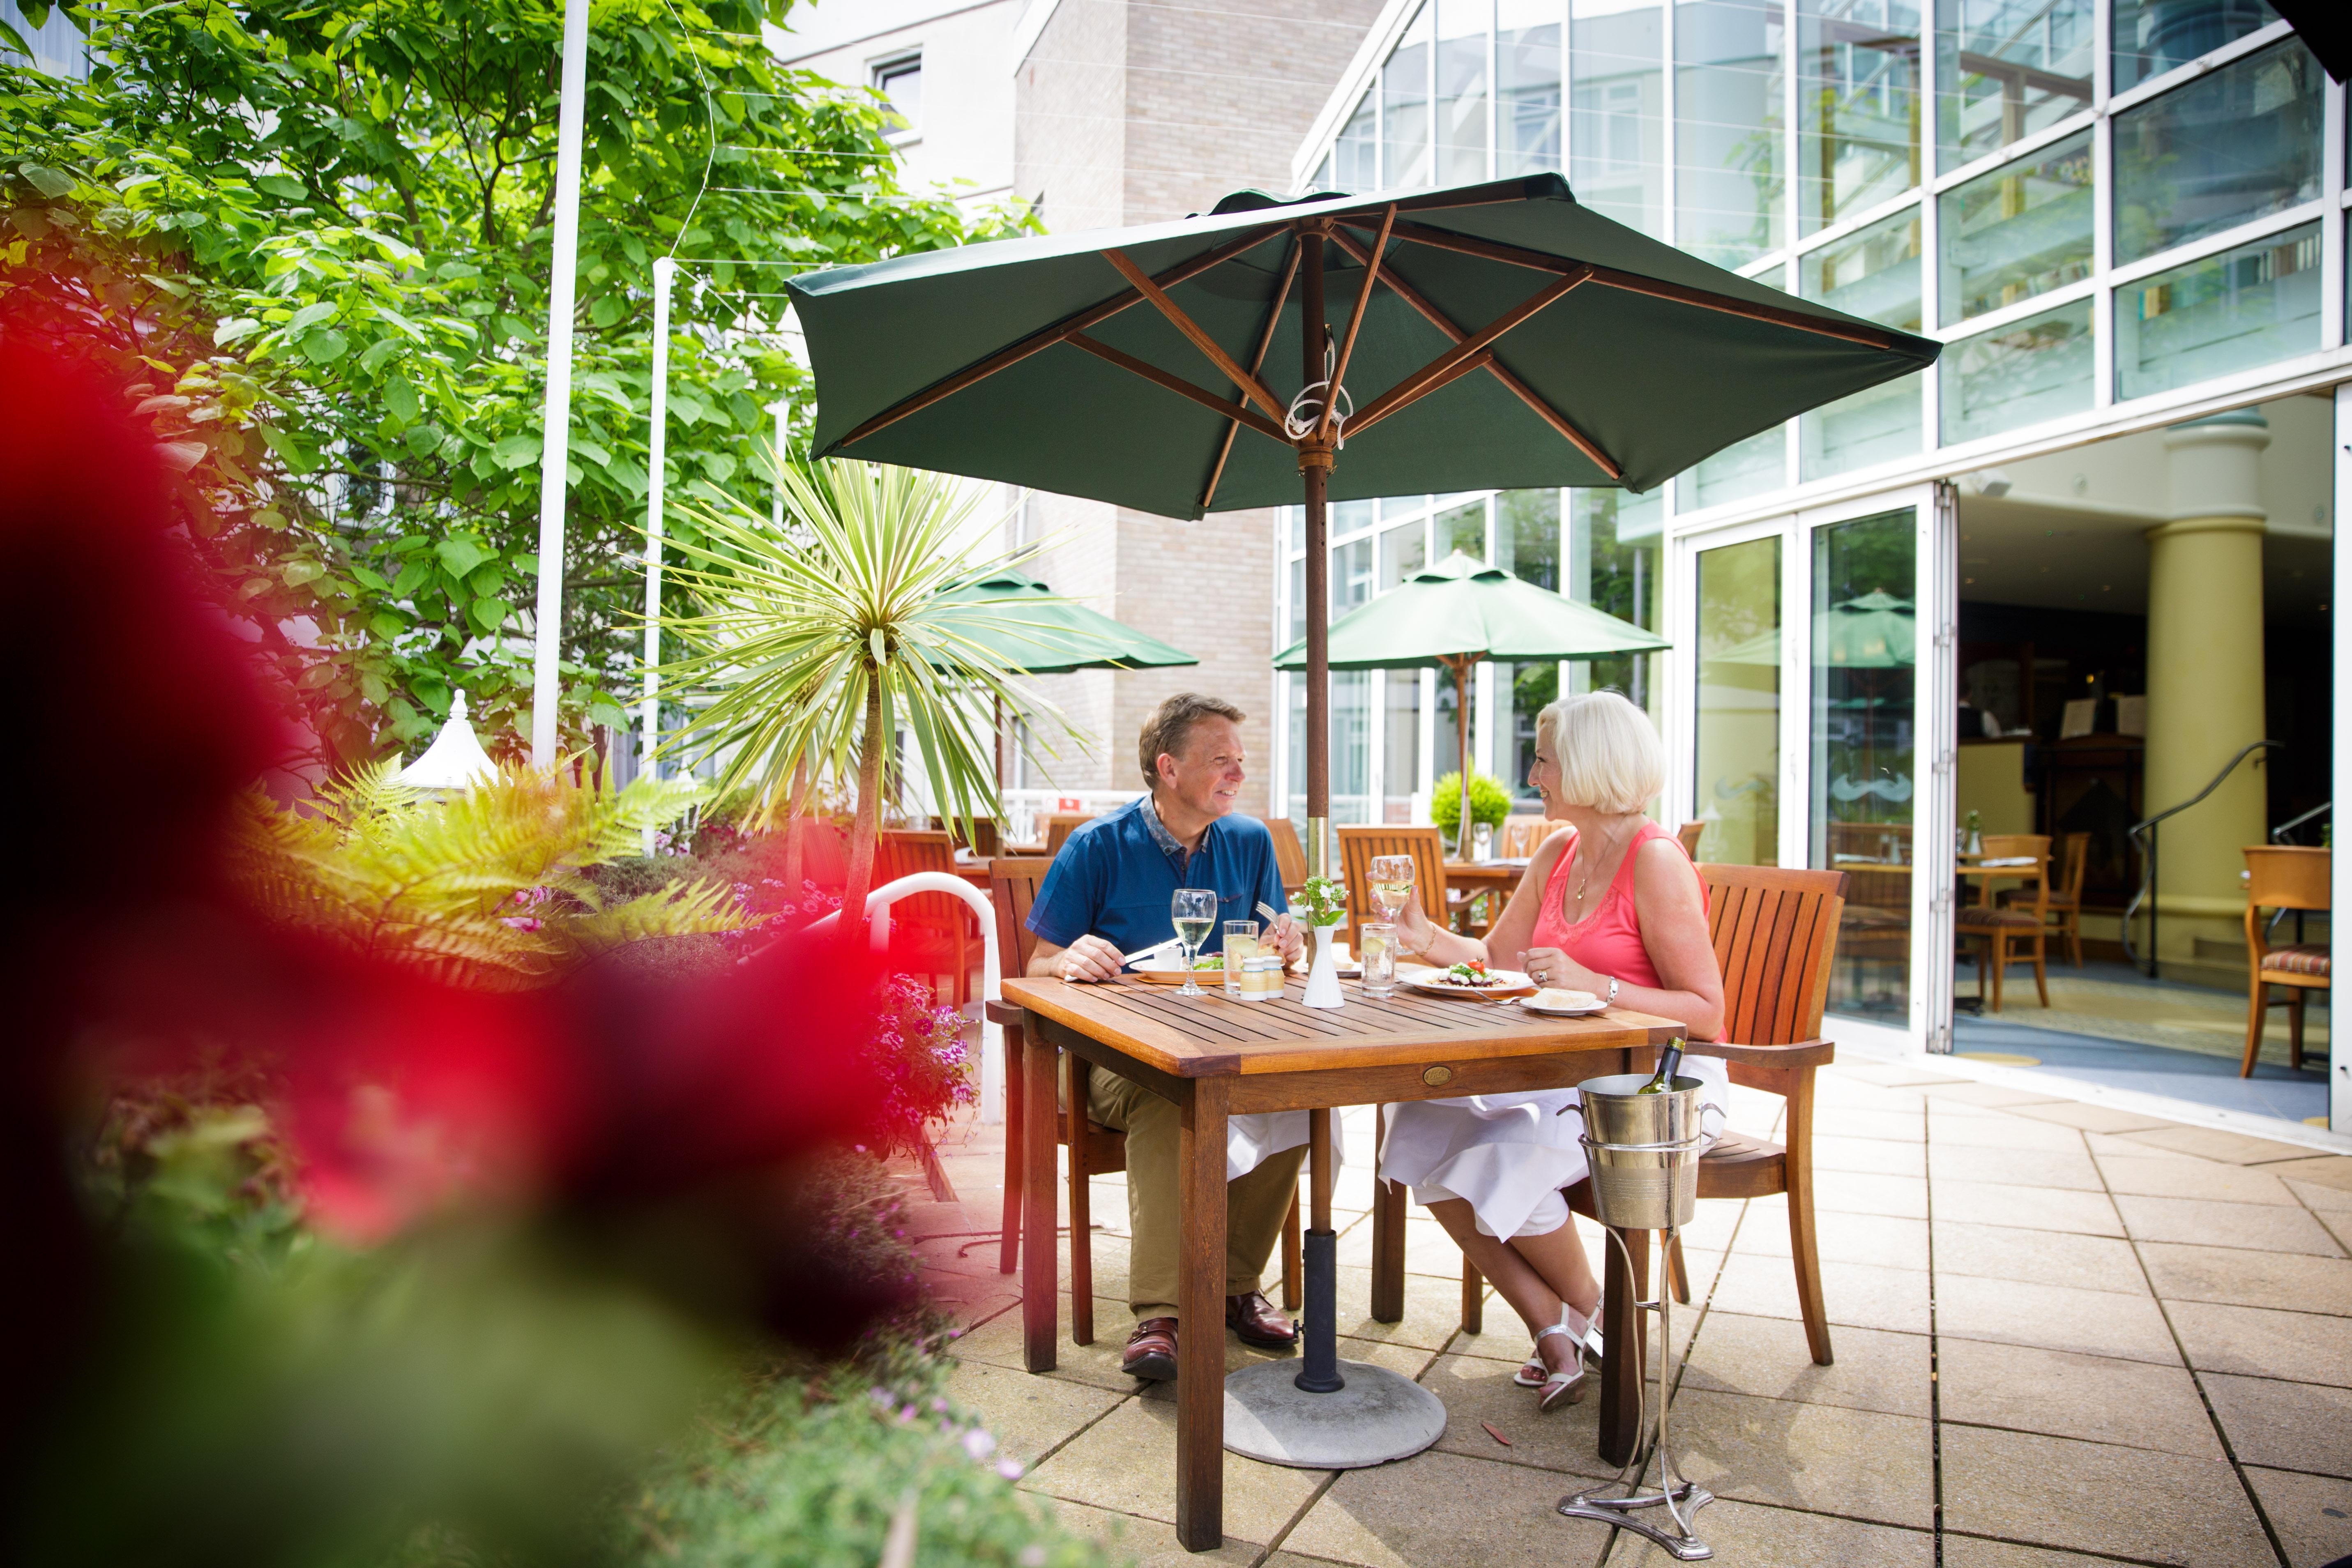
(1609, 904)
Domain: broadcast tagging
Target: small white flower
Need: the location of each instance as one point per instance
(980, 1443)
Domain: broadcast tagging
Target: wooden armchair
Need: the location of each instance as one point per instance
(1359, 845)
(938, 923)
(1775, 932)
(984, 838)
(2281, 876)
(1522, 836)
(1060, 826)
(1289, 854)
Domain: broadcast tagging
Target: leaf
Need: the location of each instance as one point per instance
(53, 184)
(421, 438)
(488, 614)
(518, 451)
(461, 556)
(1496, 1433)
(377, 353)
(326, 347)
(279, 186)
(309, 316)
(294, 573)
(607, 310)
(400, 399)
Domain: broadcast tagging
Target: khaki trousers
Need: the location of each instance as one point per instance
(1255, 1204)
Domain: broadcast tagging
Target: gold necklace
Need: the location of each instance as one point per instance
(1584, 883)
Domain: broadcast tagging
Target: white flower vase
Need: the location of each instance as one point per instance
(1323, 974)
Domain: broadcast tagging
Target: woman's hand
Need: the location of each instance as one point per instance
(1415, 931)
(1548, 966)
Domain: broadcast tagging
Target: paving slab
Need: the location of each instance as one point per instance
(1432, 1309)
(2264, 1342)
(2091, 1118)
(1445, 1508)
(2054, 1317)
(1126, 1463)
(2107, 1399)
(2285, 1280)
(2155, 1175)
(1849, 1191)
(2263, 1228)
(1428, 1249)
(2313, 1514)
(1993, 1096)
(1971, 1127)
(2285, 1426)
(1145, 1542)
(997, 1342)
(1889, 1075)
(1874, 1156)
(1889, 1240)
(1757, 1537)
(1862, 1294)
(2036, 1167)
(2333, 1172)
(1895, 1126)
(1875, 1369)
(2042, 1256)
(2212, 1143)
(1030, 1416)
(1476, 1390)
(1861, 1464)
(1973, 1551)
(2099, 1498)
(2028, 1207)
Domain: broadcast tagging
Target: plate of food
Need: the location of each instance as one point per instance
(1168, 968)
(1564, 1004)
(1471, 979)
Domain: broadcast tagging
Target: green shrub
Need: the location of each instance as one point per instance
(1490, 803)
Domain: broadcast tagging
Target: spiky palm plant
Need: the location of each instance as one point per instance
(812, 646)
(486, 889)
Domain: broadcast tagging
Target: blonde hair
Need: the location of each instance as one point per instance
(1609, 753)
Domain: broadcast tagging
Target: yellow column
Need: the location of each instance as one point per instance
(2205, 679)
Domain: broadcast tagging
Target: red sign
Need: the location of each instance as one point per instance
(1067, 803)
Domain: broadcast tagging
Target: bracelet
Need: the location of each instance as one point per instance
(1610, 1000)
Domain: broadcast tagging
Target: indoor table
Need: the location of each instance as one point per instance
(1215, 1056)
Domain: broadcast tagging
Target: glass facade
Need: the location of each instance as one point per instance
(1737, 754)
(1617, 111)
(2236, 145)
(2244, 306)
(1729, 110)
(2152, 37)
(1858, 86)
(2021, 230)
(2040, 369)
(2006, 69)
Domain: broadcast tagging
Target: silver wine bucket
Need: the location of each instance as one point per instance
(1644, 1150)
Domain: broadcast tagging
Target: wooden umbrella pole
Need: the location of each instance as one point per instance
(1315, 469)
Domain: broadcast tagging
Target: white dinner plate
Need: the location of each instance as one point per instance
(1597, 1006)
(1434, 981)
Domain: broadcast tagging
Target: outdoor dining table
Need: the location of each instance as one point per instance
(1214, 1056)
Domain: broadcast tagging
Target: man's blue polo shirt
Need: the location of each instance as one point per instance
(1117, 876)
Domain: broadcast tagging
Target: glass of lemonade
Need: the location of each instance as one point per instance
(1241, 943)
(1194, 912)
(1378, 940)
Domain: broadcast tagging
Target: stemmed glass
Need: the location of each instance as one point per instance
(1194, 910)
(1391, 884)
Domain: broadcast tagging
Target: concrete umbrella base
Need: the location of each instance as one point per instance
(1376, 1418)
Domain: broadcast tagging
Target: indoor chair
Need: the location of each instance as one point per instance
(2281, 876)
(1995, 928)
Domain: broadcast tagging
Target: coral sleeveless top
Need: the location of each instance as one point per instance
(1608, 940)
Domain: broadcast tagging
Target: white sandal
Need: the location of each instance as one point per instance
(1557, 1386)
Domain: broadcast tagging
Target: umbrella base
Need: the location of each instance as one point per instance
(1376, 1418)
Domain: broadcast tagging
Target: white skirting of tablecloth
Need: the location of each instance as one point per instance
(1254, 1136)
(1510, 1154)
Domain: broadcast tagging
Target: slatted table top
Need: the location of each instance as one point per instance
(1215, 1035)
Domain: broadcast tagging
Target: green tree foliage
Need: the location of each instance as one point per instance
(314, 237)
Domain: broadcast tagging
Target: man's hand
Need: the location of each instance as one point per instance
(1289, 941)
(1089, 958)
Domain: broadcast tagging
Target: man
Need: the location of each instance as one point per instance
(1108, 893)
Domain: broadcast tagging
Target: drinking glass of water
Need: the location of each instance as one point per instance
(1194, 910)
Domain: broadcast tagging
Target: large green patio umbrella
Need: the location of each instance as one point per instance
(1042, 634)
(1461, 611)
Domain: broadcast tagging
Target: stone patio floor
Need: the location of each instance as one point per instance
(2065, 1334)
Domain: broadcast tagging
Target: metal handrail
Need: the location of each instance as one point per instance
(2278, 834)
(2145, 831)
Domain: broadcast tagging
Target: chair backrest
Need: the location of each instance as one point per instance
(1289, 854)
(1522, 836)
(2075, 848)
(1775, 932)
(1689, 833)
(1013, 883)
(1060, 826)
(2285, 876)
(903, 851)
(2016, 846)
(1358, 845)
(984, 834)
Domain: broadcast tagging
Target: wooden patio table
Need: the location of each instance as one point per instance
(1214, 1058)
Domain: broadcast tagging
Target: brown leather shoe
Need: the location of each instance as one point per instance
(1151, 1349)
(1255, 1322)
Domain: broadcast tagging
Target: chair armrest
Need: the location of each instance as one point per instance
(1012, 1015)
(1801, 1054)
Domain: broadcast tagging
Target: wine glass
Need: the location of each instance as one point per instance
(1194, 910)
(1392, 879)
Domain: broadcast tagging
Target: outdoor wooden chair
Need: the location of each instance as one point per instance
(2065, 901)
(2281, 876)
(1997, 929)
(1522, 836)
(1359, 844)
(1689, 834)
(1060, 826)
(937, 923)
(984, 842)
(1095, 1150)
(1774, 933)
(1289, 854)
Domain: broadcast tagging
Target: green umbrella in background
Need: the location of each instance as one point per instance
(1461, 611)
(1042, 634)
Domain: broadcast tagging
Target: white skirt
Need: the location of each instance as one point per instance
(1508, 1156)
(1254, 1136)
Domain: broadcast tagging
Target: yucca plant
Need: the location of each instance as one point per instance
(485, 888)
(811, 646)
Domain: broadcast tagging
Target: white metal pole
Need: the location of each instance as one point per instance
(657, 485)
(555, 457)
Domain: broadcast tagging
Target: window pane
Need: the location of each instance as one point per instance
(2035, 371)
(1872, 273)
(1297, 599)
(1864, 690)
(2230, 146)
(1462, 117)
(1612, 565)
(901, 84)
(2005, 69)
(1462, 529)
(2017, 232)
(1857, 106)
(2154, 35)
(1355, 157)
(1403, 552)
(1405, 106)
(1521, 691)
(1351, 745)
(1400, 745)
(2246, 307)
(1348, 517)
(1739, 742)
(1616, 134)
(1527, 536)
(1727, 128)
(1351, 576)
(1861, 430)
(1295, 517)
(1527, 58)
(1745, 469)
(1402, 505)
(1297, 744)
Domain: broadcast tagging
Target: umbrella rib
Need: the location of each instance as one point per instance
(1257, 362)
(1239, 413)
(1454, 361)
(1496, 368)
(1045, 338)
(1438, 380)
(1633, 283)
(1253, 388)
(1355, 324)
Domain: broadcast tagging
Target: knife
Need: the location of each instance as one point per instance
(1140, 953)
